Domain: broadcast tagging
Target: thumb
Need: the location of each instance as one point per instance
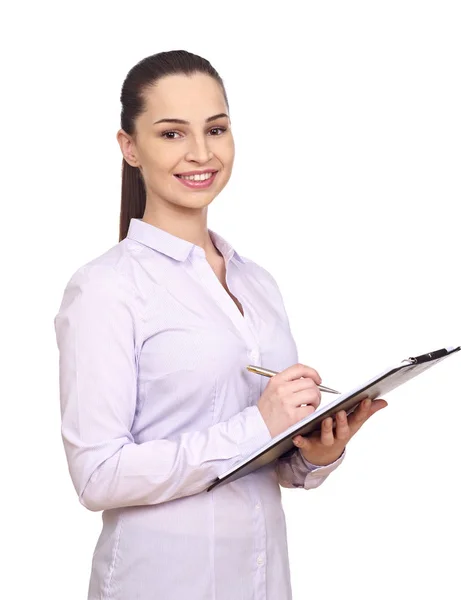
(302, 442)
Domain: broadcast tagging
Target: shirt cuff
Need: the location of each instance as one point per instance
(323, 469)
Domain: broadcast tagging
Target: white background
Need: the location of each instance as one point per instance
(346, 187)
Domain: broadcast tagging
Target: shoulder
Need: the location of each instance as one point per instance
(107, 278)
(257, 269)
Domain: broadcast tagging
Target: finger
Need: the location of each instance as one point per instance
(362, 414)
(377, 405)
(298, 385)
(327, 436)
(359, 416)
(299, 392)
(304, 411)
(310, 397)
(342, 426)
(299, 370)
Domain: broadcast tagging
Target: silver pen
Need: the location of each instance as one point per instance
(269, 373)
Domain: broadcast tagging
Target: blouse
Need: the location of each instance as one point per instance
(156, 402)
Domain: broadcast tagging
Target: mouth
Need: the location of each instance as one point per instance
(197, 181)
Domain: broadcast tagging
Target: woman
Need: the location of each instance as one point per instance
(154, 337)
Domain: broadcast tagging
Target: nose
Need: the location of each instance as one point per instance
(198, 150)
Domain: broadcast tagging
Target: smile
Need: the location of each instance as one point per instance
(199, 181)
(201, 177)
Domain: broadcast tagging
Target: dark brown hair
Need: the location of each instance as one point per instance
(144, 75)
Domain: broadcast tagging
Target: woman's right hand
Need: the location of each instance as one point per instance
(281, 402)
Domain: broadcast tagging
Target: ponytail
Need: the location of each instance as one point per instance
(133, 202)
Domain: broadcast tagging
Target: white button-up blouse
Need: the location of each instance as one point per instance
(156, 402)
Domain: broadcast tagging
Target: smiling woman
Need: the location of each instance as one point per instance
(162, 166)
(154, 339)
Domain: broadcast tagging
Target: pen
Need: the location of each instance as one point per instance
(269, 373)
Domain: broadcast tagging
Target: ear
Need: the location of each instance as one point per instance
(128, 148)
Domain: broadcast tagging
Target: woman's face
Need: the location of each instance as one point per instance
(203, 142)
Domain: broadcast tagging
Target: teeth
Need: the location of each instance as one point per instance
(201, 177)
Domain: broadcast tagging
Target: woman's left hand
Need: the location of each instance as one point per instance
(324, 447)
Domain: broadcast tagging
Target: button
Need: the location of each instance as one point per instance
(258, 506)
(254, 355)
(260, 560)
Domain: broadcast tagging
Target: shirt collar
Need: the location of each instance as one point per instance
(175, 247)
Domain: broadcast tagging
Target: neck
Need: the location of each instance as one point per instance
(191, 226)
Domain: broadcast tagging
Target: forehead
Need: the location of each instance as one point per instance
(189, 97)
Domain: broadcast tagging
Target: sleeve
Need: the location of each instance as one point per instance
(296, 472)
(99, 337)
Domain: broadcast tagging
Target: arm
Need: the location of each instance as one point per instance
(99, 336)
(293, 470)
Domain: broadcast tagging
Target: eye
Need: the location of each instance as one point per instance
(167, 136)
(222, 129)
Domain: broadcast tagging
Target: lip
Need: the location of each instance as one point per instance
(197, 185)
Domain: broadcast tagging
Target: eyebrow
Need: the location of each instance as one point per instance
(183, 122)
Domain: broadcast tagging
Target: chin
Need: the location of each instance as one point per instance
(196, 201)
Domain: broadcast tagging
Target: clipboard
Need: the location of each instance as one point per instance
(282, 444)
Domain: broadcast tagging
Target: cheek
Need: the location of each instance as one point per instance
(164, 160)
(227, 152)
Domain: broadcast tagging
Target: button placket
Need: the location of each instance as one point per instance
(222, 298)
